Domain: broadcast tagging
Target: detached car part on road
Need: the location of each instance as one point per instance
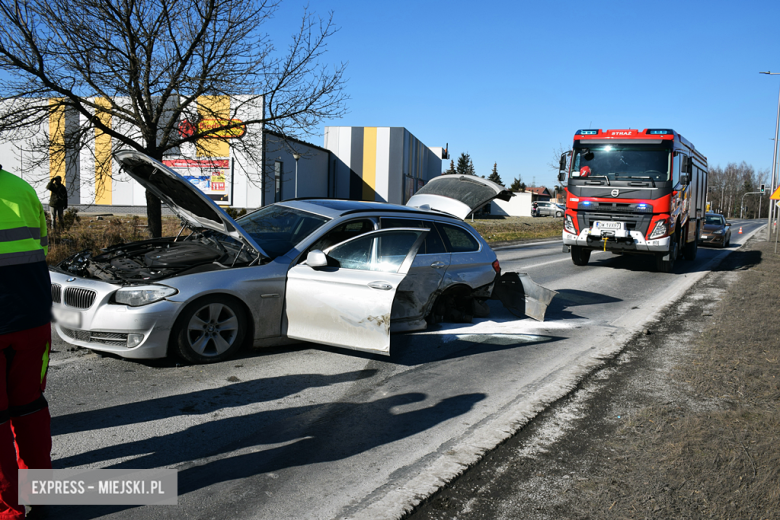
(336, 272)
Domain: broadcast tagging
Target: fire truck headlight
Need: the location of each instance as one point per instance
(568, 225)
(659, 230)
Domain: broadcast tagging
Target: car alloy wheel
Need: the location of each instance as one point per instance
(211, 329)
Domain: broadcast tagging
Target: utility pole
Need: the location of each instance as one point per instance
(774, 163)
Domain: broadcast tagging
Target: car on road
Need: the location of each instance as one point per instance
(716, 231)
(544, 209)
(338, 272)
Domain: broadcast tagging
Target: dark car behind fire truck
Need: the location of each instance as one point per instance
(634, 192)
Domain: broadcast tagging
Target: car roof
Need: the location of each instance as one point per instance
(334, 208)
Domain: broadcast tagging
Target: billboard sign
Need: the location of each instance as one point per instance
(211, 176)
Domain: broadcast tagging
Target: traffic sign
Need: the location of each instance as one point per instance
(776, 194)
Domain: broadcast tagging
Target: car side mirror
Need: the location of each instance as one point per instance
(316, 258)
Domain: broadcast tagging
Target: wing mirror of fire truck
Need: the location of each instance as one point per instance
(562, 166)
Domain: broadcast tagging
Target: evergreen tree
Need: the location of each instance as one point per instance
(516, 184)
(471, 170)
(451, 171)
(464, 166)
(494, 176)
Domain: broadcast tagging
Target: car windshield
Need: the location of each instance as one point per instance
(277, 229)
(712, 219)
(621, 162)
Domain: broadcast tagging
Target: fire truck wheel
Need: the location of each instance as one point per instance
(580, 255)
(667, 266)
(690, 250)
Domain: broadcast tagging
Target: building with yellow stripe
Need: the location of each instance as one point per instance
(386, 164)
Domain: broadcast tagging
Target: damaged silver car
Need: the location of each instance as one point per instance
(335, 272)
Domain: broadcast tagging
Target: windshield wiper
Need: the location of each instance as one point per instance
(598, 177)
(651, 179)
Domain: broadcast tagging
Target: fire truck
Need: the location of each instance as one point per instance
(633, 192)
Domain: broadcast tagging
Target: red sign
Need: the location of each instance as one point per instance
(187, 129)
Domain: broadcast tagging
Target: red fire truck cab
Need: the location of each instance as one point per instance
(633, 191)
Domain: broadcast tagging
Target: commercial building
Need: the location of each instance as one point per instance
(361, 163)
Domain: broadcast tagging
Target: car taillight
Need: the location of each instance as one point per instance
(496, 267)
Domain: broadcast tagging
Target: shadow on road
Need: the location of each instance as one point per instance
(200, 402)
(310, 435)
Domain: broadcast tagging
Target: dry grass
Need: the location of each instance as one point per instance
(503, 229)
(85, 232)
(721, 457)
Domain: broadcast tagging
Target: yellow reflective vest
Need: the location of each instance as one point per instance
(23, 235)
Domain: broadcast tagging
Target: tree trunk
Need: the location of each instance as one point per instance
(154, 214)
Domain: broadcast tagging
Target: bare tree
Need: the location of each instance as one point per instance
(145, 64)
(555, 160)
(728, 188)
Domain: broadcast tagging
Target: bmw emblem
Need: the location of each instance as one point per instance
(71, 280)
(615, 193)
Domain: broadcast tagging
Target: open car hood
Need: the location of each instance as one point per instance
(184, 199)
(458, 195)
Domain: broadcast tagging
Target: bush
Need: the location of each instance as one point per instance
(71, 217)
(235, 213)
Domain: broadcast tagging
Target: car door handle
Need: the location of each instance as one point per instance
(438, 265)
(382, 286)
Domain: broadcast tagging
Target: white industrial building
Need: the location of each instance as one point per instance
(361, 163)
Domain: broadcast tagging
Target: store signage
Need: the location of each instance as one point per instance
(187, 129)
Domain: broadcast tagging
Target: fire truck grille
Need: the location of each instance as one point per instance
(79, 298)
(634, 222)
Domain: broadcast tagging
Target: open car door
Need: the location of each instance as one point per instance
(343, 297)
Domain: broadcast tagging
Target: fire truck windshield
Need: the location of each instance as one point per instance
(621, 162)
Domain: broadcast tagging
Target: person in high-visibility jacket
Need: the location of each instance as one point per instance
(25, 336)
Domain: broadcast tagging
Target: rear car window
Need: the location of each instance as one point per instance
(433, 242)
(457, 239)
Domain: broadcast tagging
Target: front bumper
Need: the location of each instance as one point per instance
(712, 240)
(634, 242)
(103, 326)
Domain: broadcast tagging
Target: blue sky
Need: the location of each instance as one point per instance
(508, 82)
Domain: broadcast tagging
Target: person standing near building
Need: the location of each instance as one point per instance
(25, 337)
(58, 202)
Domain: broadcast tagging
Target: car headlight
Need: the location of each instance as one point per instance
(718, 232)
(659, 230)
(143, 295)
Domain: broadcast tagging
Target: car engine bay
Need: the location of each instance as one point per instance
(156, 259)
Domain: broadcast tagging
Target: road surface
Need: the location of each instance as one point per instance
(323, 433)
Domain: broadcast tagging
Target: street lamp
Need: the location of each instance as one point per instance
(774, 162)
(296, 156)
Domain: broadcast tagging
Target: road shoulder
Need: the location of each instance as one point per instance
(682, 424)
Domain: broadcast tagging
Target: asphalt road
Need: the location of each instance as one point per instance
(317, 432)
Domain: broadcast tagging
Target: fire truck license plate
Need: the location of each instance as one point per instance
(598, 225)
